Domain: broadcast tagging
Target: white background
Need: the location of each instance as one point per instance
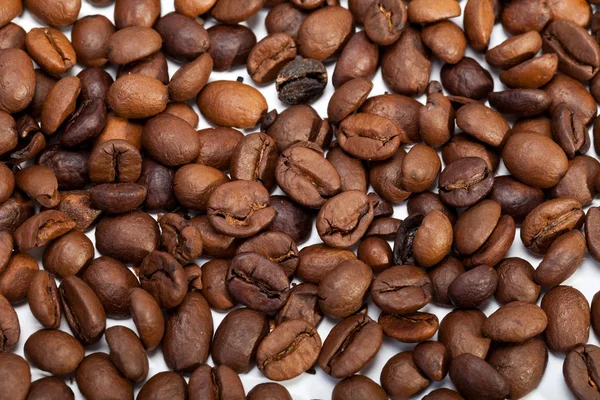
(319, 386)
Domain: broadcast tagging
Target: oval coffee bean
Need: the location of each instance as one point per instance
(516, 282)
(17, 375)
(137, 96)
(515, 322)
(568, 314)
(208, 383)
(68, 254)
(401, 378)
(50, 386)
(461, 332)
(353, 388)
(335, 300)
(10, 329)
(127, 353)
(184, 38)
(472, 288)
(147, 317)
(301, 81)
(562, 259)
(44, 300)
(83, 310)
(580, 370)
(433, 359)
(401, 289)
(409, 328)
(232, 104)
(475, 379)
(54, 351)
(230, 45)
(465, 181)
(97, 377)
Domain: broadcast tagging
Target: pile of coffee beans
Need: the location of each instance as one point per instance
(202, 238)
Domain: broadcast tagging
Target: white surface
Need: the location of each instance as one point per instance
(320, 386)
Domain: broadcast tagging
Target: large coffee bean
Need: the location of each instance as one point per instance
(568, 314)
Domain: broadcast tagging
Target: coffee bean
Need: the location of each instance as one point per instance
(350, 345)
(214, 285)
(472, 288)
(441, 276)
(231, 12)
(578, 182)
(569, 131)
(54, 351)
(257, 282)
(562, 259)
(285, 18)
(358, 59)
(478, 22)
(232, 104)
(147, 317)
(515, 322)
(301, 81)
(44, 300)
(302, 303)
(580, 371)
(483, 123)
(401, 289)
(137, 96)
(520, 102)
(136, 13)
(401, 378)
(269, 390)
(254, 159)
(467, 78)
(50, 386)
(222, 380)
(12, 36)
(154, 66)
(189, 80)
(462, 145)
(60, 103)
(568, 314)
(344, 219)
(433, 359)
(443, 394)
(230, 45)
(87, 122)
(581, 61)
(515, 198)
(548, 221)
(324, 33)
(409, 328)
(83, 310)
(237, 339)
(15, 211)
(515, 50)
(51, 50)
(297, 342)
(17, 374)
(563, 89)
(127, 353)
(516, 282)
(164, 278)
(214, 244)
(91, 39)
(19, 92)
(193, 193)
(190, 322)
(184, 110)
(184, 38)
(318, 259)
(108, 383)
(9, 325)
(269, 56)
(414, 243)
(474, 378)
(465, 181)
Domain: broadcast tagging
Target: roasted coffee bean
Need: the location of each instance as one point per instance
(164, 384)
(184, 110)
(318, 259)
(580, 370)
(483, 123)
(406, 65)
(592, 232)
(257, 282)
(568, 314)
(350, 345)
(354, 387)
(190, 322)
(351, 170)
(535, 159)
(60, 103)
(6, 249)
(237, 338)
(423, 12)
(376, 253)
(319, 38)
(515, 198)
(348, 98)
(451, 49)
(301, 81)
(51, 50)
(78, 206)
(97, 377)
(436, 119)
(433, 359)
(270, 390)
(230, 12)
(127, 353)
(83, 310)
(95, 83)
(9, 325)
(12, 36)
(214, 285)
(344, 219)
(57, 15)
(472, 288)
(69, 167)
(136, 13)
(563, 89)
(127, 237)
(189, 80)
(158, 181)
(415, 241)
(409, 328)
(531, 74)
(569, 130)
(87, 122)
(17, 93)
(540, 124)
(516, 282)
(369, 136)
(91, 37)
(44, 300)
(465, 181)
(41, 228)
(401, 378)
(217, 147)
(401, 110)
(137, 96)
(515, 322)
(582, 61)
(114, 161)
(443, 394)
(10, 137)
(15, 211)
(526, 16)
(562, 259)
(269, 56)
(462, 145)
(578, 183)
(192, 192)
(230, 45)
(164, 278)
(335, 300)
(285, 18)
(240, 208)
(39, 183)
(461, 332)
(514, 50)
(54, 351)
(385, 20)
(111, 281)
(401, 289)
(426, 202)
(170, 140)
(298, 123)
(214, 244)
(467, 78)
(254, 159)
(147, 317)
(384, 227)
(441, 276)
(154, 66)
(548, 221)
(520, 102)
(290, 349)
(276, 246)
(212, 383)
(16, 276)
(302, 303)
(478, 23)
(358, 59)
(117, 197)
(475, 379)
(232, 104)
(16, 375)
(180, 238)
(184, 38)
(48, 388)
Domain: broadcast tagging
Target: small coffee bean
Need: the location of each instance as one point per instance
(83, 310)
(369, 136)
(147, 317)
(17, 375)
(44, 300)
(42, 228)
(68, 254)
(297, 342)
(136, 13)
(516, 282)
(302, 303)
(515, 322)
(467, 78)
(441, 276)
(269, 56)
(483, 123)
(257, 282)
(184, 38)
(60, 103)
(514, 50)
(137, 96)
(478, 22)
(319, 38)
(232, 104)
(164, 278)
(18, 93)
(525, 16)
(255, 159)
(230, 45)
(117, 197)
(237, 339)
(192, 192)
(465, 181)
(39, 183)
(301, 81)
(335, 300)
(520, 102)
(205, 382)
(515, 198)
(127, 353)
(462, 145)
(350, 346)
(95, 83)
(51, 50)
(548, 221)
(231, 12)
(401, 378)
(531, 74)
(578, 183)
(472, 288)
(353, 388)
(580, 371)
(562, 259)
(154, 66)
(10, 329)
(433, 359)
(240, 208)
(409, 328)
(97, 376)
(189, 80)
(190, 322)
(54, 351)
(401, 289)
(563, 89)
(344, 219)
(569, 130)
(358, 59)
(50, 386)
(414, 242)
(15, 211)
(474, 378)
(318, 259)
(568, 314)
(166, 383)
(91, 37)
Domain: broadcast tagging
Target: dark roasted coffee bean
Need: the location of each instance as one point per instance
(562, 259)
(117, 197)
(335, 300)
(385, 20)
(97, 377)
(515, 198)
(291, 219)
(83, 310)
(85, 123)
(302, 303)
(214, 244)
(289, 350)
(301, 81)
(475, 379)
(217, 147)
(153, 66)
(158, 181)
(164, 384)
(69, 167)
(520, 102)
(376, 253)
(276, 246)
(164, 278)
(514, 50)
(114, 161)
(465, 181)
(516, 282)
(359, 59)
(147, 317)
(472, 288)
(467, 78)
(318, 259)
(184, 38)
(580, 370)
(91, 37)
(230, 45)
(214, 285)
